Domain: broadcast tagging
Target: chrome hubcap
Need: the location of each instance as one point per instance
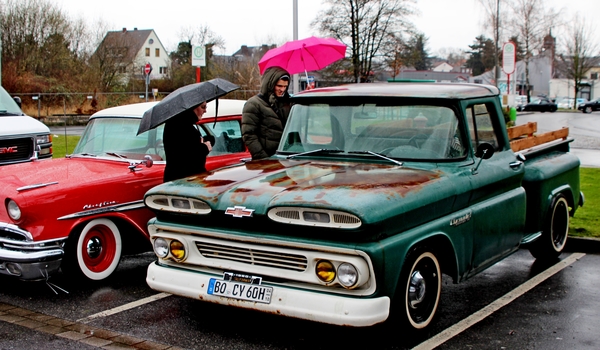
(94, 247)
(416, 289)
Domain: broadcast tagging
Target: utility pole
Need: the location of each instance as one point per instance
(496, 63)
(296, 78)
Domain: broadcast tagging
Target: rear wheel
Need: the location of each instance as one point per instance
(554, 237)
(419, 289)
(95, 252)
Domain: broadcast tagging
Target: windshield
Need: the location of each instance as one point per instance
(8, 106)
(395, 131)
(117, 137)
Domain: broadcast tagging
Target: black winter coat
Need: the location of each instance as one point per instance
(264, 116)
(184, 150)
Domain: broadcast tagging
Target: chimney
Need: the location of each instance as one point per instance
(124, 29)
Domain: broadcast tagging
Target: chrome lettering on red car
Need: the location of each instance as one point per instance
(99, 205)
(10, 149)
(239, 212)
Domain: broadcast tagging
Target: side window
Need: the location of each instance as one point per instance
(228, 136)
(481, 126)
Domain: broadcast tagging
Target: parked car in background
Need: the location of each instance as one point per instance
(590, 106)
(538, 104)
(81, 212)
(564, 102)
(22, 138)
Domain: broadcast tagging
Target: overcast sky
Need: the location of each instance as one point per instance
(447, 23)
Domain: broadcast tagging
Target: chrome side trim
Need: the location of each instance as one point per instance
(113, 208)
(31, 187)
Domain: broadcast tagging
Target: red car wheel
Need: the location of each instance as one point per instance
(99, 249)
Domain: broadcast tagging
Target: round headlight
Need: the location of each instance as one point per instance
(347, 275)
(13, 210)
(161, 247)
(177, 249)
(325, 271)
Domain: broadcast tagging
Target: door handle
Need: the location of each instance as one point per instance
(516, 164)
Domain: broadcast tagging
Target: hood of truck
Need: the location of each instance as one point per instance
(21, 125)
(372, 191)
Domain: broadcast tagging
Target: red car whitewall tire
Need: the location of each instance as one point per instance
(99, 249)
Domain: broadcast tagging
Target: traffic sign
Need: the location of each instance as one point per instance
(148, 69)
(508, 57)
(198, 56)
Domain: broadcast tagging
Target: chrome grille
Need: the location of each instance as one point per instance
(289, 214)
(23, 150)
(345, 219)
(272, 259)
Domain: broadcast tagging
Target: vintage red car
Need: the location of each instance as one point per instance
(82, 212)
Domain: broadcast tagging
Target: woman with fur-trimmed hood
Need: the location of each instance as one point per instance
(265, 114)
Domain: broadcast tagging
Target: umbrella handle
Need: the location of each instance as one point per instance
(216, 111)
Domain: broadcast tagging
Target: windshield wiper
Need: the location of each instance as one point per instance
(376, 155)
(320, 150)
(84, 154)
(116, 155)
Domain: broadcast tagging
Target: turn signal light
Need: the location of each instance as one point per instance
(177, 249)
(325, 271)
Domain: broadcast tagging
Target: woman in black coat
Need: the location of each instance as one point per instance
(185, 150)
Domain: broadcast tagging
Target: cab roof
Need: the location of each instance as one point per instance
(413, 90)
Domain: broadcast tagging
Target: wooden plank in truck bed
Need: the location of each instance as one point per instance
(520, 143)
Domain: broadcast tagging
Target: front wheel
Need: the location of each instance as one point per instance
(94, 253)
(588, 109)
(554, 236)
(419, 289)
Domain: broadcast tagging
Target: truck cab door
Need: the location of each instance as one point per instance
(497, 198)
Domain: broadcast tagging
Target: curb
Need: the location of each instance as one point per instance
(583, 245)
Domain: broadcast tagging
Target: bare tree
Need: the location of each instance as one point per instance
(531, 20)
(581, 52)
(494, 12)
(29, 29)
(113, 58)
(365, 26)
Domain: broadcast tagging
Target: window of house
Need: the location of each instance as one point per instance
(481, 126)
(147, 52)
(162, 70)
(122, 69)
(157, 52)
(594, 76)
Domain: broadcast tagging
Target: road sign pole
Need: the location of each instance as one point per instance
(198, 74)
(147, 71)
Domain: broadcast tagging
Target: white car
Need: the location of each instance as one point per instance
(22, 138)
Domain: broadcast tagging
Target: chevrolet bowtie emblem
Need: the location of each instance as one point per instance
(239, 212)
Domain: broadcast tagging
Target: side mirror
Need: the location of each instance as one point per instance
(148, 162)
(484, 151)
(17, 100)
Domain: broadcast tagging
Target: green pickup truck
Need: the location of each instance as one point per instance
(374, 192)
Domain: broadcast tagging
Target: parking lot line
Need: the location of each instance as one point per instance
(506, 299)
(124, 307)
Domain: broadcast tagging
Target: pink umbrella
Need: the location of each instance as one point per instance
(303, 55)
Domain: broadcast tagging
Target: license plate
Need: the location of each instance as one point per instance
(242, 291)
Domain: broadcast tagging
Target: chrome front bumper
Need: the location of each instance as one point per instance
(26, 259)
(287, 301)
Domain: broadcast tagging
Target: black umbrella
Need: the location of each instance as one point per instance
(183, 99)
